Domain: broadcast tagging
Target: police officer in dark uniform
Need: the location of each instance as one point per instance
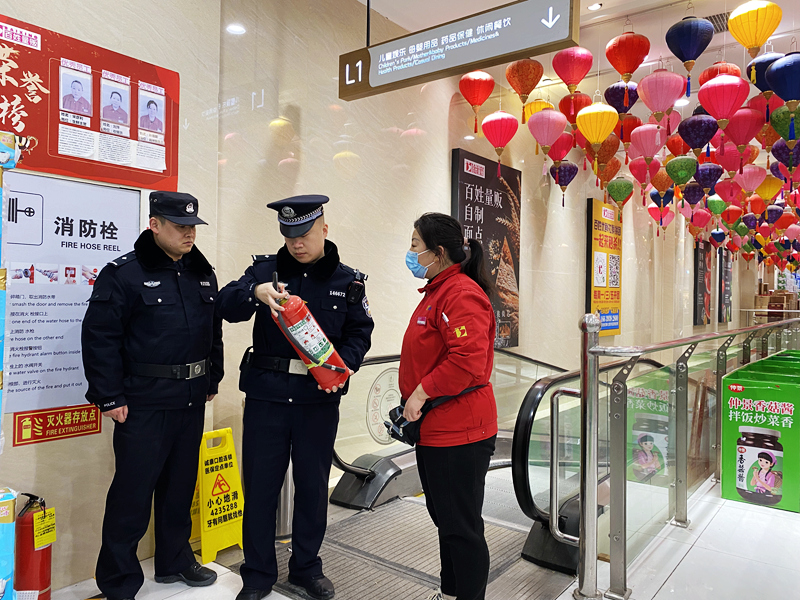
(152, 353)
(286, 413)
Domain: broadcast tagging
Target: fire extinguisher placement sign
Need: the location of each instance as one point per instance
(44, 528)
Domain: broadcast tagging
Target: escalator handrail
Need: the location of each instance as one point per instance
(368, 474)
(530, 360)
(520, 445)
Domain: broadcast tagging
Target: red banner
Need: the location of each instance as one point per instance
(95, 114)
(35, 426)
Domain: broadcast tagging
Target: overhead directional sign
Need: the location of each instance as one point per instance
(521, 29)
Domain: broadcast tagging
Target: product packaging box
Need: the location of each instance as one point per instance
(7, 515)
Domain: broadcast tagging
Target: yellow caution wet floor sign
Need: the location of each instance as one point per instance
(219, 502)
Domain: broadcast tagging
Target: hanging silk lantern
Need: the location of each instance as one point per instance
(752, 24)
(687, 40)
(779, 171)
(668, 123)
(531, 108)
(750, 178)
(661, 182)
(768, 137)
(499, 127)
(648, 140)
(723, 96)
(523, 75)
(596, 122)
(676, 145)
(572, 104)
(729, 159)
(764, 106)
(572, 65)
(627, 124)
(563, 175)
(751, 221)
(693, 193)
(751, 153)
(626, 53)
(620, 189)
(707, 175)
(476, 87)
(609, 171)
(730, 191)
(743, 127)
(643, 171)
(546, 126)
(731, 214)
(782, 121)
(622, 96)
(757, 69)
(717, 69)
(786, 156)
(716, 205)
(783, 76)
(681, 170)
(605, 153)
(560, 148)
(697, 131)
(662, 200)
(769, 188)
(663, 216)
(660, 90)
(774, 213)
(701, 218)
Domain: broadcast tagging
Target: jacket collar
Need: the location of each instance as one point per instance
(437, 281)
(321, 270)
(152, 257)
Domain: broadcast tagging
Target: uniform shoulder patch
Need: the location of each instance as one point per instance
(260, 257)
(124, 259)
(352, 271)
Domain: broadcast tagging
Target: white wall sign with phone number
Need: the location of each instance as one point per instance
(57, 236)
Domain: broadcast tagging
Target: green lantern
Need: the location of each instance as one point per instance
(780, 120)
(681, 170)
(619, 189)
(716, 205)
(742, 229)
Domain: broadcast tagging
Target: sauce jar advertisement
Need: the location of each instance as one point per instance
(760, 444)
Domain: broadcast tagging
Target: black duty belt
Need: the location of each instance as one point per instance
(187, 371)
(277, 363)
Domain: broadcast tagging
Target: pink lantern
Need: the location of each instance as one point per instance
(648, 140)
(685, 210)
(561, 147)
(723, 96)
(729, 159)
(660, 90)
(662, 216)
(546, 126)
(792, 232)
(730, 191)
(669, 122)
(499, 127)
(750, 178)
(743, 127)
(642, 171)
(701, 217)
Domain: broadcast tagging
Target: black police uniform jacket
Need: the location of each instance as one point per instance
(146, 308)
(323, 285)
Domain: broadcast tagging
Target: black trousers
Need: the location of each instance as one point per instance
(274, 431)
(453, 479)
(156, 454)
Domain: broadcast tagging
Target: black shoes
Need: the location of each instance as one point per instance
(319, 588)
(195, 576)
(249, 593)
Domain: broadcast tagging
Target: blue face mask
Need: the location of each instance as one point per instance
(412, 262)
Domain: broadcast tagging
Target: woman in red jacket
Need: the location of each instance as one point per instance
(448, 350)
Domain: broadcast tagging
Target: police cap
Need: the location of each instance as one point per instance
(179, 208)
(297, 214)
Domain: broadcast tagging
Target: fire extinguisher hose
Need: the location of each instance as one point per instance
(300, 349)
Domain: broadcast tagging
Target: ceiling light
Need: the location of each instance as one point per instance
(682, 101)
(235, 29)
(469, 138)
(595, 6)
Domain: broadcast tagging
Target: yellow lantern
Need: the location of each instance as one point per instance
(596, 122)
(531, 108)
(769, 188)
(753, 23)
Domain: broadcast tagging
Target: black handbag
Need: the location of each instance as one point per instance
(408, 432)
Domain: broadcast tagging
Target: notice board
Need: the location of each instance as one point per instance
(94, 114)
(725, 285)
(604, 264)
(703, 269)
(488, 208)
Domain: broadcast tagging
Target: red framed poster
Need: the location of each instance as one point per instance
(95, 114)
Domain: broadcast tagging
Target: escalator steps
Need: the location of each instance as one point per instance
(393, 553)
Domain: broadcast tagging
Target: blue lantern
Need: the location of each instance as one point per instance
(662, 201)
(687, 40)
(783, 77)
(757, 68)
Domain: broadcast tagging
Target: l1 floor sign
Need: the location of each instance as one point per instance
(221, 500)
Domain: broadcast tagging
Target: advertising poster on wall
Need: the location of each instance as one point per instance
(725, 271)
(57, 236)
(703, 266)
(488, 208)
(604, 264)
(90, 113)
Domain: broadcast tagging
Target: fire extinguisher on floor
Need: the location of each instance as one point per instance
(32, 566)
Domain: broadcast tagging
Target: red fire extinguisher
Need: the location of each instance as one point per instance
(312, 345)
(31, 566)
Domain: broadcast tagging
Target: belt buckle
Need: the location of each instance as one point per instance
(297, 367)
(196, 369)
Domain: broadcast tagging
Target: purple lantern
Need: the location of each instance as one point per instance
(615, 96)
(796, 245)
(773, 213)
(697, 131)
(693, 192)
(751, 221)
(708, 174)
(775, 169)
(790, 158)
(563, 175)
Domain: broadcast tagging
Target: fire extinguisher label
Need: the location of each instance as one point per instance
(308, 333)
(44, 528)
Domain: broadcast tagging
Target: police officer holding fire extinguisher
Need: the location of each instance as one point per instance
(287, 414)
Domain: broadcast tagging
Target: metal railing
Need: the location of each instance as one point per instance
(591, 351)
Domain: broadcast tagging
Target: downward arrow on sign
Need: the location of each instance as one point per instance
(551, 21)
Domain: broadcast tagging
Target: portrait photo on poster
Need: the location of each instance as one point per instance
(76, 92)
(115, 99)
(151, 111)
